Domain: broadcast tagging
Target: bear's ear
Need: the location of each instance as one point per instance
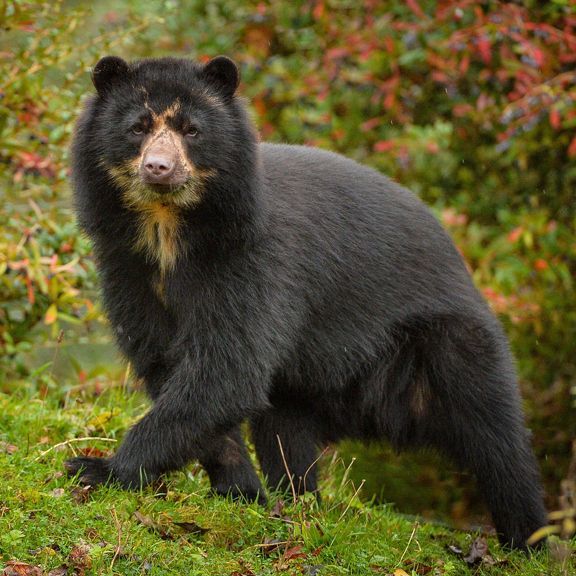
(107, 72)
(223, 75)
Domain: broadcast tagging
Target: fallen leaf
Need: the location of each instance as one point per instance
(15, 568)
(276, 512)
(92, 452)
(478, 552)
(455, 550)
(152, 526)
(418, 567)
(81, 494)
(8, 448)
(271, 545)
(294, 552)
(79, 557)
(60, 571)
(400, 572)
(192, 527)
(246, 570)
(58, 492)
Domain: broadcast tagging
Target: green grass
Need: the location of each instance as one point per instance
(47, 521)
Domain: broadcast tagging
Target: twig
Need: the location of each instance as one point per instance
(313, 464)
(119, 545)
(407, 545)
(71, 441)
(350, 501)
(287, 469)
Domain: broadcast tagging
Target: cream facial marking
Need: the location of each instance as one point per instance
(159, 206)
(159, 235)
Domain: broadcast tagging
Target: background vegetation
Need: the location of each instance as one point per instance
(470, 104)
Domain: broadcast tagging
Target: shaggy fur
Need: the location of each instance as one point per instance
(289, 286)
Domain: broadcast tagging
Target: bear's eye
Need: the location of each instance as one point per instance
(137, 130)
(192, 132)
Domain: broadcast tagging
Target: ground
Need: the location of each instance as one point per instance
(52, 526)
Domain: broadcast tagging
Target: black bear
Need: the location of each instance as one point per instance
(284, 285)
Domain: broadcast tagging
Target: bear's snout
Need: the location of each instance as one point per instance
(161, 165)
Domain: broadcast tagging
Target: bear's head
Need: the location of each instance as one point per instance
(167, 127)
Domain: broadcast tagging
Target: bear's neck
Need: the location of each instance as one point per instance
(230, 217)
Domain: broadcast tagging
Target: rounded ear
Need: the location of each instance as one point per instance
(107, 72)
(223, 75)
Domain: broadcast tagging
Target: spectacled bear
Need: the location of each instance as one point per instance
(283, 285)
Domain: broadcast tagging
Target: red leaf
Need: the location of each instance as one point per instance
(389, 101)
(384, 146)
(318, 11)
(370, 124)
(485, 49)
(572, 148)
(538, 56)
(415, 7)
(515, 234)
(554, 117)
(335, 53)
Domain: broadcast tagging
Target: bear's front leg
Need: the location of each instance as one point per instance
(153, 446)
(193, 418)
(224, 458)
(91, 471)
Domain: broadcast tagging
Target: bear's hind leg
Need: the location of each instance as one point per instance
(474, 415)
(228, 465)
(287, 438)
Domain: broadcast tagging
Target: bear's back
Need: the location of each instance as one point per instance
(362, 242)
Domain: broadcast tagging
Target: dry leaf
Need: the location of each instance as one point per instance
(294, 552)
(8, 448)
(418, 567)
(192, 527)
(92, 452)
(271, 545)
(276, 512)
(478, 552)
(81, 494)
(79, 557)
(60, 571)
(15, 568)
(152, 526)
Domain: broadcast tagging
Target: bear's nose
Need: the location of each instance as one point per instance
(158, 167)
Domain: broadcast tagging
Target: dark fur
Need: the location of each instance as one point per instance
(311, 295)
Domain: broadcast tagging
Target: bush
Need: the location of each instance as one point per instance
(472, 105)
